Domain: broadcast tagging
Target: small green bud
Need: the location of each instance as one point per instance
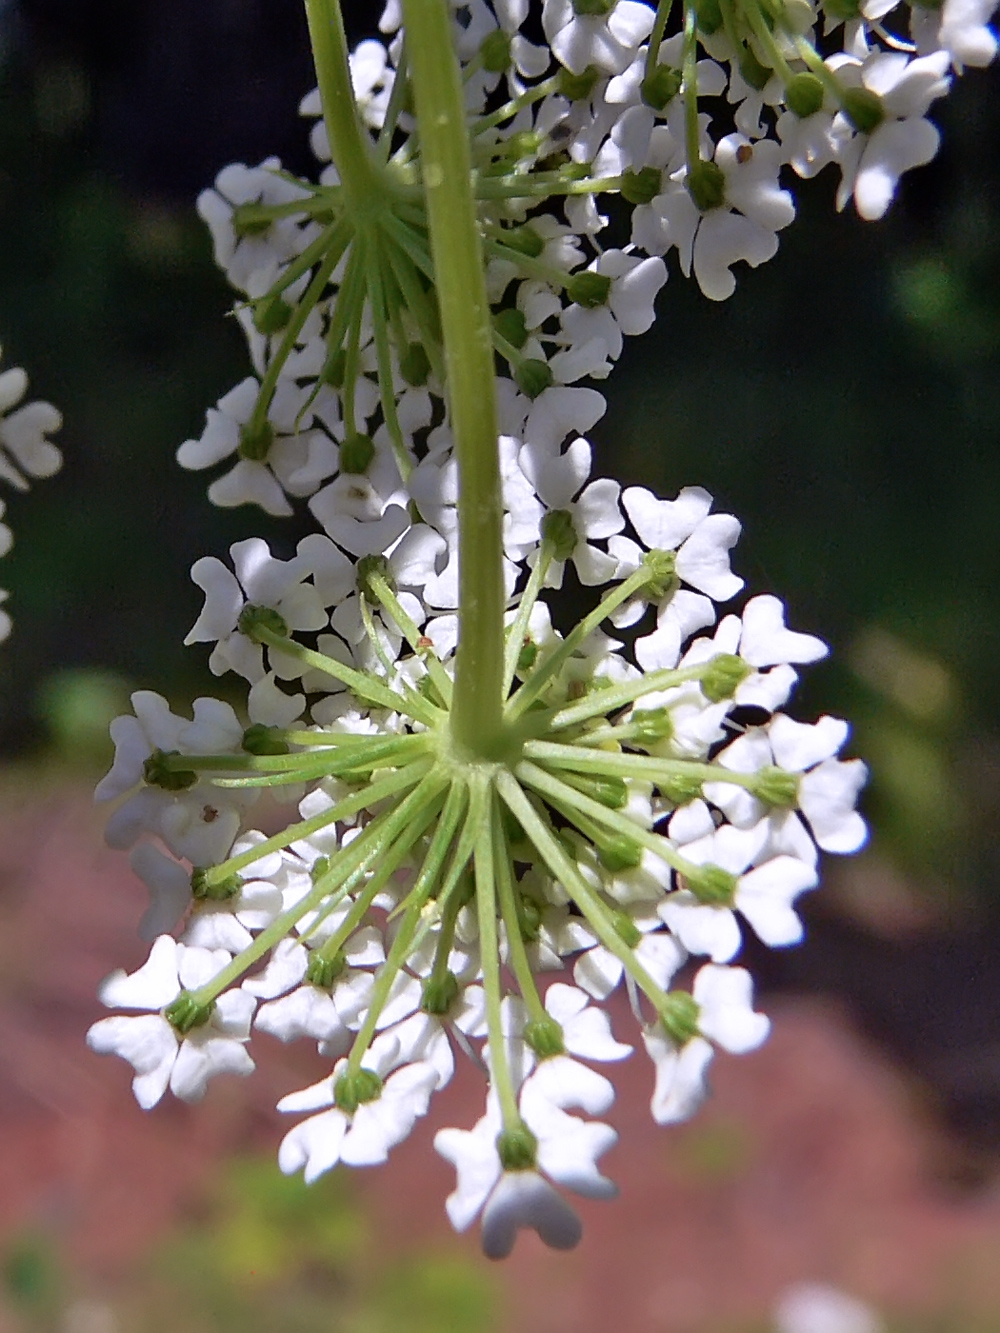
(712, 886)
(804, 94)
(256, 439)
(255, 618)
(511, 326)
(532, 377)
(577, 87)
(706, 185)
(494, 51)
(351, 1090)
(262, 739)
(356, 453)
(568, 170)
(864, 109)
(681, 788)
(661, 87)
(776, 786)
(618, 853)
(527, 657)
(593, 8)
(589, 289)
(271, 315)
(323, 971)
(335, 369)
(642, 187)
(545, 1037)
(530, 918)
(370, 567)
(723, 677)
(558, 528)
(319, 868)
(517, 1148)
(186, 1013)
(205, 889)
(679, 1017)
(248, 220)
(661, 574)
(649, 725)
(439, 994)
(842, 10)
(525, 143)
(415, 365)
(525, 240)
(157, 773)
(709, 16)
(754, 72)
(626, 928)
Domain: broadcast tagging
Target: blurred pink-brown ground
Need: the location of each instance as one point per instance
(812, 1162)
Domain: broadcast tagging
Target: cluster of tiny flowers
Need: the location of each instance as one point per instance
(26, 452)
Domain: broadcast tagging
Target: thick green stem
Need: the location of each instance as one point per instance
(476, 721)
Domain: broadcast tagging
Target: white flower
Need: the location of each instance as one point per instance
(871, 164)
(763, 893)
(24, 449)
(960, 27)
(725, 1015)
(362, 1137)
(160, 1056)
(608, 41)
(557, 478)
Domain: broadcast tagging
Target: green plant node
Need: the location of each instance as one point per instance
(335, 369)
(271, 315)
(517, 1148)
(661, 87)
(649, 725)
(186, 1013)
(589, 289)
(706, 184)
(804, 94)
(661, 574)
(256, 438)
(626, 929)
(156, 772)
(494, 51)
(577, 87)
(642, 187)
(205, 889)
(356, 454)
(545, 1037)
(525, 240)
(679, 1016)
(681, 788)
(254, 618)
(351, 1090)
(415, 365)
(754, 72)
(529, 917)
(709, 14)
(439, 994)
(323, 971)
(533, 377)
(512, 327)
(712, 886)
(262, 739)
(558, 529)
(864, 109)
(723, 677)
(619, 852)
(778, 787)
(369, 567)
